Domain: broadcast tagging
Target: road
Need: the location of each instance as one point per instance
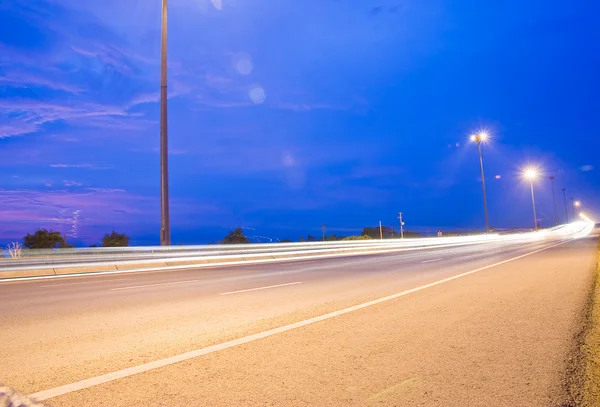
(478, 326)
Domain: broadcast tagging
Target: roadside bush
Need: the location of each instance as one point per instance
(363, 237)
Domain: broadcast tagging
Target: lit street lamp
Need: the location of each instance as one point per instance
(165, 230)
(576, 204)
(531, 174)
(479, 138)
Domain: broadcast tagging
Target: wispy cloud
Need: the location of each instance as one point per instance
(178, 88)
(23, 79)
(69, 183)
(109, 55)
(90, 166)
(106, 190)
(307, 107)
(17, 128)
(224, 101)
(24, 116)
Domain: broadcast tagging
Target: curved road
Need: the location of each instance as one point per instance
(477, 326)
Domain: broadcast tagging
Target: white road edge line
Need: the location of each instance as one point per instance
(152, 285)
(261, 288)
(432, 260)
(130, 371)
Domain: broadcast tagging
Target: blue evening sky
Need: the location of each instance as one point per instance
(285, 114)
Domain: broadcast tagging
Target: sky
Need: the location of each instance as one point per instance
(285, 115)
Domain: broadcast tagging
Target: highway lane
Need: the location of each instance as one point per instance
(59, 331)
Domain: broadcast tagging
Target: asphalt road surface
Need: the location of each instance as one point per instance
(485, 325)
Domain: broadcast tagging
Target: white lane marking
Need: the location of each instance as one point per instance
(152, 285)
(130, 371)
(432, 260)
(261, 288)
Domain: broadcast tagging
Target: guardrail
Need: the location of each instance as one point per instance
(70, 261)
(67, 256)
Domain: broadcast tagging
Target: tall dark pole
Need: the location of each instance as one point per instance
(165, 230)
(485, 208)
(564, 191)
(323, 230)
(573, 207)
(554, 200)
(533, 202)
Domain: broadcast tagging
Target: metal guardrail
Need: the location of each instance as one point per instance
(74, 257)
(65, 257)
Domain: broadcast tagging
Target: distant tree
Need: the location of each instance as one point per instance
(363, 237)
(94, 245)
(236, 236)
(311, 238)
(285, 241)
(115, 239)
(387, 233)
(373, 233)
(44, 239)
(333, 237)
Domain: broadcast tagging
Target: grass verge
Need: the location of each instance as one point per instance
(583, 383)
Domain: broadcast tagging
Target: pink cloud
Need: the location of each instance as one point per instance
(52, 209)
(106, 190)
(25, 79)
(23, 211)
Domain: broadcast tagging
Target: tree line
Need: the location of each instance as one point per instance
(236, 236)
(51, 239)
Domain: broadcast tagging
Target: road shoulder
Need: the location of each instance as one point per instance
(583, 374)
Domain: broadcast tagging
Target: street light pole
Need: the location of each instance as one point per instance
(165, 230)
(554, 200)
(533, 202)
(573, 207)
(479, 138)
(564, 191)
(323, 226)
(531, 174)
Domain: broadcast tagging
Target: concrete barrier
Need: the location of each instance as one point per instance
(27, 273)
(86, 269)
(134, 266)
